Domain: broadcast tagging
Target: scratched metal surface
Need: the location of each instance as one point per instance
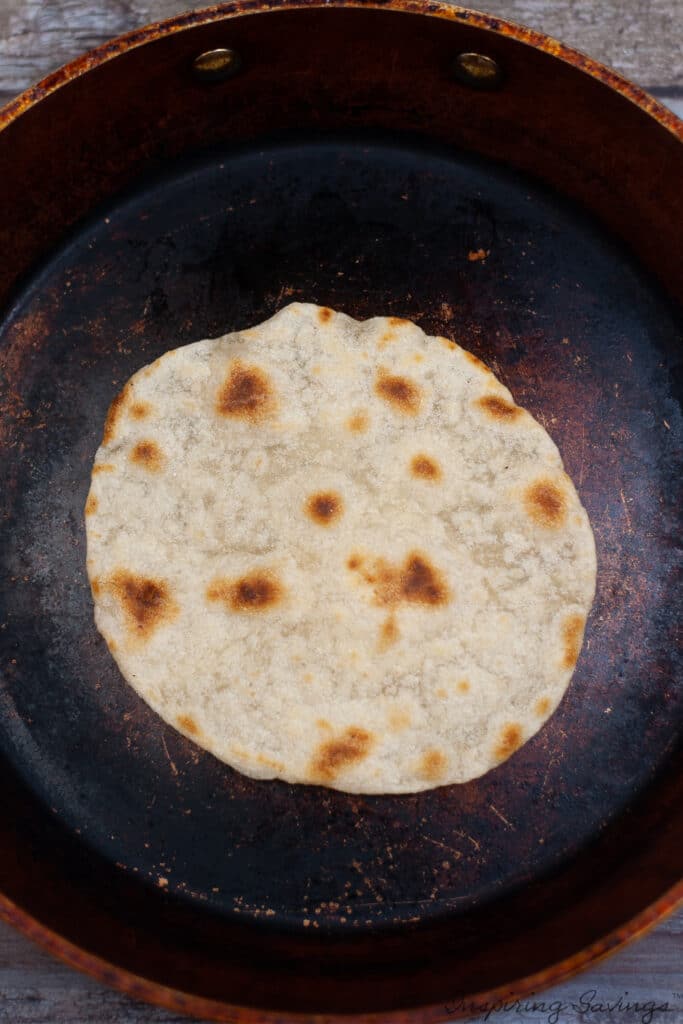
(581, 337)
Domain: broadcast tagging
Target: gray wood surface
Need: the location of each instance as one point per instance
(642, 38)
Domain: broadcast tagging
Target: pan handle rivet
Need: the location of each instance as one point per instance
(216, 65)
(477, 70)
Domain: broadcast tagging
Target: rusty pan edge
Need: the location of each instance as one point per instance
(434, 8)
(141, 988)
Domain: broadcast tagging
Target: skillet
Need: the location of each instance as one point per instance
(350, 155)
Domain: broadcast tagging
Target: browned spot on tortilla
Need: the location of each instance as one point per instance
(358, 422)
(146, 603)
(397, 321)
(546, 503)
(103, 467)
(322, 723)
(399, 719)
(256, 592)
(542, 706)
(447, 343)
(509, 741)
(441, 693)
(388, 634)
(324, 314)
(188, 724)
(463, 686)
(335, 755)
(498, 408)
(140, 410)
(324, 508)
(269, 762)
(386, 339)
(91, 505)
(96, 587)
(433, 765)
(572, 634)
(149, 455)
(474, 255)
(475, 361)
(425, 468)
(418, 357)
(403, 394)
(246, 394)
(238, 751)
(114, 415)
(245, 755)
(417, 581)
(421, 583)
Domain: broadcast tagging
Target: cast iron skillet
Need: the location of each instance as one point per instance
(344, 163)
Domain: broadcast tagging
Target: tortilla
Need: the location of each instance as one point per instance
(337, 552)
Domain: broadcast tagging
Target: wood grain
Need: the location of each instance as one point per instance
(641, 39)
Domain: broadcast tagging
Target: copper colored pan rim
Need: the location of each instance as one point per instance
(425, 8)
(173, 999)
(162, 995)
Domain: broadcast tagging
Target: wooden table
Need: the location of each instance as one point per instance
(641, 39)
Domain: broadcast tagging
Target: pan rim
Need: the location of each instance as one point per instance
(138, 987)
(154, 31)
(166, 996)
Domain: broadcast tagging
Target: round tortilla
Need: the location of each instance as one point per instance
(337, 552)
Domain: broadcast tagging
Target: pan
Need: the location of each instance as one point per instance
(398, 158)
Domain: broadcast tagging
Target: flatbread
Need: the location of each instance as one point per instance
(336, 552)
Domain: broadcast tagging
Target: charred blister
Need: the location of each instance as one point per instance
(415, 581)
(572, 637)
(257, 591)
(140, 410)
(147, 603)
(424, 467)
(246, 394)
(148, 455)
(509, 740)
(498, 408)
(421, 583)
(401, 393)
(324, 508)
(333, 756)
(114, 414)
(477, 362)
(433, 765)
(546, 503)
(188, 724)
(542, 707)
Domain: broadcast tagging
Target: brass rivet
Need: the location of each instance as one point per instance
(216, 65)
(477, 70)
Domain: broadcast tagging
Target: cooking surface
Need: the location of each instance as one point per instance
(582, 339)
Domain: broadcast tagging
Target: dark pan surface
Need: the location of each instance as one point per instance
(580, 335)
